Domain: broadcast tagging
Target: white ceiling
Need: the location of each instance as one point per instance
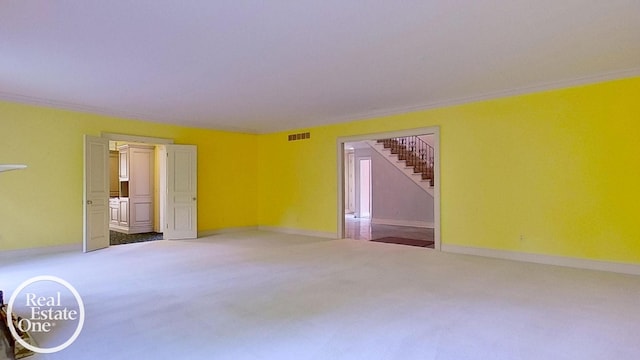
(263, 66)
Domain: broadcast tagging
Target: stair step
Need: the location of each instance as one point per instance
(407, 159)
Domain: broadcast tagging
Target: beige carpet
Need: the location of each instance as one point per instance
(261, 295)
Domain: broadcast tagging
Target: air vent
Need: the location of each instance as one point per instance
(301, 136)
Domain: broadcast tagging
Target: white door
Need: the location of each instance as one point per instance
(96, 194)
(365, 188)
(182, 189)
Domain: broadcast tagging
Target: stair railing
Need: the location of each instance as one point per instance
(415, 152)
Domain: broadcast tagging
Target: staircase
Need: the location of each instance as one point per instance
(413, 156)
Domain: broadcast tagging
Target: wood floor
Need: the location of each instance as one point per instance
(363, 229)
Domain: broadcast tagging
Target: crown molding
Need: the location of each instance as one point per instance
(492, 95)
(554, 85)
(68, 106)
(63, 105)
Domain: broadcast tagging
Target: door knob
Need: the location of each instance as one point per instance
(89, 202)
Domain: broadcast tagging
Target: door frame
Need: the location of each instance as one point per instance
(350, 199)
(136, 138)
(161, 170)
(434, 130)
(145, 140)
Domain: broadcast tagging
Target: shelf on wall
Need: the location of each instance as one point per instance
(8, 167)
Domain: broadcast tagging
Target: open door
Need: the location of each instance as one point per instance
(181, 204)
(95, 194)
(365, 188)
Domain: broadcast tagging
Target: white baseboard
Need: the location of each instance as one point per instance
(39, 251)
(204, 233)
(277, 229)
(423, 224)
(617, 267)
(322, 234)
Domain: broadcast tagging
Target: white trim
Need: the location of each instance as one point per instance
(122, 114)
(159, 153)
(552, 85)
(69, 106)
(340, 141)
(617, 267)
(17, 254)
(340, 230)
(160, 192)
(389, 134)
(282, 230)
(136, 138)
(413, 223)
(230, 230)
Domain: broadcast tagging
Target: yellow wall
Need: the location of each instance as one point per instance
(42, 205)
(561, 168)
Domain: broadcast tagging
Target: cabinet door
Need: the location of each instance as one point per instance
(124, 165)
(141, 174)
(124, 212)
(114, 210)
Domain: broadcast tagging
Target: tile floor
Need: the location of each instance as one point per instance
(118, 238)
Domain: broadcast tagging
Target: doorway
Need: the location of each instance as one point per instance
(392, 196)
(135, 210)
(364, 194)
(174, 181)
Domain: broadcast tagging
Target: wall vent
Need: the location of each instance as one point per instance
(301, 136)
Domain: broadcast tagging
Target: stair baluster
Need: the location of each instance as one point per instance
(415, 153)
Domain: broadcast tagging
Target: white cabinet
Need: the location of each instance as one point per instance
(114, 211)
(132, 212)
(123, 210)
(123, 169)
(119, 215)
